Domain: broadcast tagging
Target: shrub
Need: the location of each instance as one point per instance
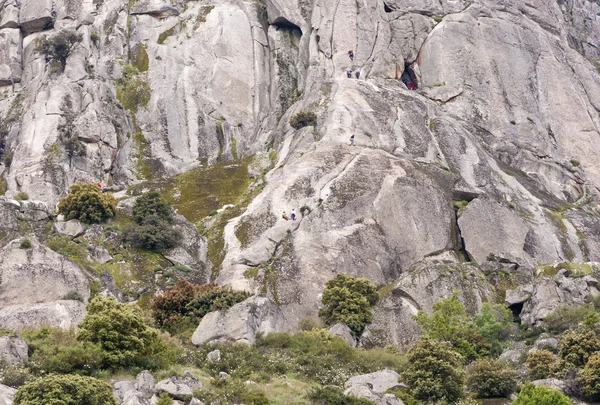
(74, 296)
(566, 317)
(349, 300)
(133, 89)
(65, 390)
(541, 364)
(333, 396)
(531, 394)
(121, 333)
(66, 247)
(308, 324)
(151, 204)
(22, 196)
(153, 234)
(303, 119)
(25, 244)
(229, 391)
(186, 303)
(589, 378)
(434, 372)
(86, 203)
(58, 47)
(15, 376)
(491, 379)
(164, 399)
(70, 140)
(450, 323)
(494, 323)
(577, 346)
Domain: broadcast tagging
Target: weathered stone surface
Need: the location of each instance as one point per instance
(214, 356)
(7, 395)
(179, 387)
(379, 382)
(544, 342)
(343, 331)
(514, 354)
(553, 383)
(10, 56)
(60, 314)
(13, 350)
(516, 297)
(363, 391)
(121, 389)
(72, 228)
(145, 382)
(240, 323)
(38, 274)
(35, 15)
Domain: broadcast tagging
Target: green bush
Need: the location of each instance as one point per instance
(349, 300)
(133, 89)
(120, 331)
(566, 317)
(541, 364)
(150, 204)
(333, 396)
(434, 372)
(494, 323)
(70, 140)
(86, 203)
(303, 119)
(66, 247)
(531, 394)
(15, 376)
(153, 234)
(230, 391)
(491, 379)
(577, 346)
(25, 244)
(58, 47)
(65, 390)
(308, 324)
(589, 378)
(164, 399)
(22, 196)
(186, 304)
(450, 323)
(74, 296)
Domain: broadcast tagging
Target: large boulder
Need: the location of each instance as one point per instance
(60, 314)
(181, 388)
(13, 350)
(38, 274)
(240, 323)
(363, 391)
(7, 394)
(343, 331)
(379, 382)
(10, 56)
(35, 15)
(71, 228)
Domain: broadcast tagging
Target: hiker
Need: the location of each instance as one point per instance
(351, 55)
(284, 216)
(53, 14)
(100, 186)
(357, 73)
(352, 140)
(293, 214)
(349, 73)
(411, 85)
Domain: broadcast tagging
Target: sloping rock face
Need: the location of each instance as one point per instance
(13, 350)
(7, 395)
(494, 155)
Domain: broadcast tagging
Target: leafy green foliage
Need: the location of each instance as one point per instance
(186, 303)
(133, 90)
(577, 346)
(67, 135)
(164, 399)
(491, 379)
(349, 300)
(65, 390)
(450, 323)
(54, 350)
(494, 323)
(541, 364)
(22, 196)
(25, 244)
(435, 372)
(589, 378)
(333, 396)
(66, 247)
(15, 375)
(303, 119)
(151, 204)
(228, 391)
(566, 317)
(121, 333)
(152, 229)
(531, 394)
(58, 47)
(86, 203)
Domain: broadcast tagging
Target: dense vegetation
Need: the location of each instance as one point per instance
(65, 390)
(88, 204)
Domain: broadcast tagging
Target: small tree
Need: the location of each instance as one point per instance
(531, 394)
(120, 331)
(494, 323)
(58, 47)
(152, 234)
(491, 379)
(589, 378)
(435, 372)
(151, 204)
(577, 346)
(65, 390)
(86, 203)
(70, 140)
(349, 300)
(541, 364)
(303, 119)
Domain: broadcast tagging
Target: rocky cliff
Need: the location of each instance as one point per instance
(489, 167)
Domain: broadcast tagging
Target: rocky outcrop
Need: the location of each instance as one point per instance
(7, 395)
(240, 323)
(379, 382)
(13, 350)
(343, 331)
(71, 228)
(180, 388)
(363, 391)
(62, 314)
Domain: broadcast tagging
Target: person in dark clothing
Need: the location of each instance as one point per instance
(357, 73)
(352, 140)
(351, 55)
(349, 72)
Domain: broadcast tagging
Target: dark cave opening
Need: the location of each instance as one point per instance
(387, 8)
(409, 78)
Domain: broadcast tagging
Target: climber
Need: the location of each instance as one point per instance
(349, 72)
(357, 73)
(352, 140)
(293, 214)
(351, 55)
(53, 14)
(284, 216)
(100, 186)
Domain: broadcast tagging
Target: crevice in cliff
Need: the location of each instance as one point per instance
(387, 8)
(460, 202)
